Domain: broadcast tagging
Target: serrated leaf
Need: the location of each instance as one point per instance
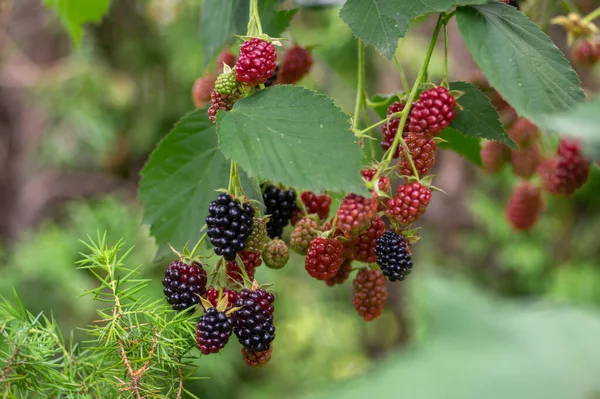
(221, 19)
(582, 122)
(382, 22)
(179, 180)
(519, 60)
(466, 146)
(478, 118)
(293, 136)
(75, 13)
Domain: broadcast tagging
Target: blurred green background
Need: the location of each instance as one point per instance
(487, 313)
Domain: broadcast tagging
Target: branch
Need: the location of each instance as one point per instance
(8, 367)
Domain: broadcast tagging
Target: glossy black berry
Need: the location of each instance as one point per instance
(213, 331)
(393, 257)
(273, 77)
(280, 205)
(253, 322)
(229, 225)
(184, 284)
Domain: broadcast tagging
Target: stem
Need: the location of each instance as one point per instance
(402, 75)
(407, 152)
(197, 245)
(360, 85)
(367, 119)
(445, 81)
(591, 16)
(571, 7)
(231, 177)
(254, 25)
(381, 122)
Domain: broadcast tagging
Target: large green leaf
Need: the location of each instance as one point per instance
(476, 117)
(465, 146)
(582, 122)
(75, 13)
(382, 22)
(519, 60)
(294, 136)
(477, 347)
(179, 180)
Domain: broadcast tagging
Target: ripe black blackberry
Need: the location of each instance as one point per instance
(213, 331)
(393, 257)
(184, 284)
(253, 322)
(273, 77)
(229, 225)
(280, 205)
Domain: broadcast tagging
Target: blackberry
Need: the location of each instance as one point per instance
(273, 77)
(213, 331)
(184, 284)
(422, 152)
(256, 62)
(221, 102)
(254, 359)
(280, 205)
(251, 261)
(369, 294)
(276, 254)
(390, 128)
(393, 257)
(524, 206)
(253, 324)
(225, 58)
(432, 112)
(229, 225)
(296, 64)
(493, 156)
(342, 274)
(212, 296)
(202, 90)
(264, 298)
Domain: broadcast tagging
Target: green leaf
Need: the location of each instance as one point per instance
(381, 102)
(293, 136)
(179, 180)
(519, 60)
(465, 146)
(75, 13)
(478, 118)
(382, 22)
(582, 122)
(221, 19)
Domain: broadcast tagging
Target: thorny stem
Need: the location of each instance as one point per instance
(360, 89)
(402, 74)
(591, 16)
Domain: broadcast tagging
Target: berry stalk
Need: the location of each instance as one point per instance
(591, 16)
(360, 86)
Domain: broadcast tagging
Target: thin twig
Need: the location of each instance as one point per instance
(8, 367)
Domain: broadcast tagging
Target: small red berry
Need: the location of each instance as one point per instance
(524, 206)
(225, 58)
(202, 89)
(324, 258)
(302, 235)
(212, 296)
(383, 182)
(296, 64)
(409, 203)
(525, 161)
(355, 213)
(567, 172)
(493, 156)
(364, 244)
(318, 204)
(432, 112)
(342, 274)
(256, 62)
(251, 261)
(389, 129)
(524, 132)
(422, 152)
(586, 53)
(369, 294)
(256, 359)
(220, 101)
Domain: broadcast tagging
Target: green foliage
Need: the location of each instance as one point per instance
(75, 13)
(180, 180)
(471, 339)
(382, 22)
(581, 122)
(476, 116)
(293, 136)
(519, 60)
(465, 146)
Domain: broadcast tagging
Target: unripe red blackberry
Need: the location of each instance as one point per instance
(276, 254)
(409, 203)
(389, 129)
(317, 204)
(422, 152)
(258, 238)
(229, 225)
(225, 58)
(342, 274)
(213, 331)
(212, 296)
(493, 156)
(302, 235)
(383, 183)
(221, 102)
(202, 90)
(525, 161)
(256, 62)
(364, 244)
(253, 324)
(568, 171)
(432, 112)
(524, 133)
(524, 206)
(393, 256)
(280, 205)
(355, 213)
(261, 296)
(251, 261)
(324, 258)
(296, 64)
(184, 284)
(369, 294)
(586, 53)
(256, 359)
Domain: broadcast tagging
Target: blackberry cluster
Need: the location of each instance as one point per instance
(184, 284)
(229, 225)
(392, 256)
(280, 205)
(253, 324)
(213, 331)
